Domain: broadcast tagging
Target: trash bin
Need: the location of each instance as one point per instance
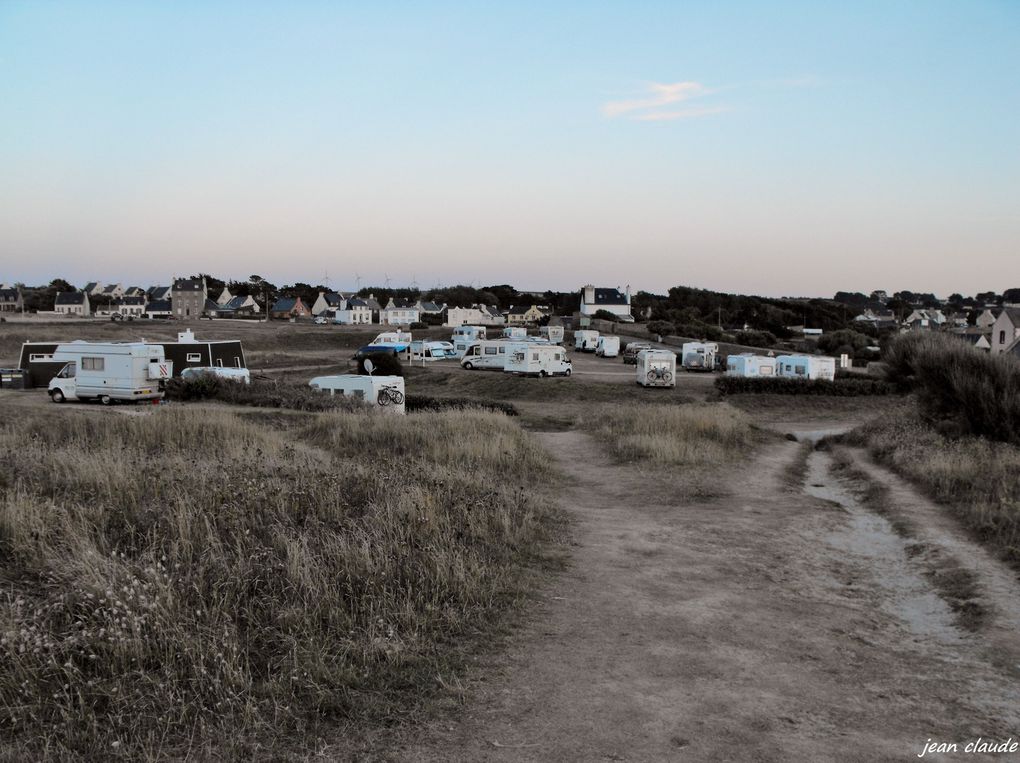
(13, 378)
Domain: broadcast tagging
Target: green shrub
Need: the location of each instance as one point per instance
(958, 387)
(383, 364)
(261, 393)
(605, 315)
(841, 387)
(665, 328)
(417, 403)
(755, 338)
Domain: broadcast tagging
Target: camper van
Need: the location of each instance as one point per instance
(465, 336)
(656, 368)
(607, 346)
(749, 365)
(515, 332)
(553, 333)
(490, 353)
(387, 392)
(698, 356)
(536, 359)
(400, 341)
(586, 340)
(806, 367)
(109, 371)
(425, 352)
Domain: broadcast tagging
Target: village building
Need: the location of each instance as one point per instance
(189, 296)
(113, 291)
(286, 308)
(159, 308)
(612, 301)
(399, 312)
(11, 300)
(985, 320)
(225, 297)
(930, 320)
(328, 302)
(158, 293)
(75, 303)
(521, 315)
(241, 306)
(354, 312)
(1006, 330)
(129, 307)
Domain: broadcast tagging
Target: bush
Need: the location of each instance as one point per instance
(959, 388)
(755, 338)
(384, 364)
(665, 328)
(261, 393)
(605, 315)
(853, 343)
(418, 326)
(417, 403)
(841, 387)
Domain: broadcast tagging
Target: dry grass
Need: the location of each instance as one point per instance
(699, 435)
(978, 479)
(194, 580)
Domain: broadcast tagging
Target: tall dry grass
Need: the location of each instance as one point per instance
(193, 581)
(694, 435)
(978, 478)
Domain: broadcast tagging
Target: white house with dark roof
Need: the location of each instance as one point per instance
(11, 300)
(158, 293)
(327, 301)
(72, 303)
(225, 297)
(612, 300)
(354, 312)
(129, 307)
(399, 312)
(1006, 330)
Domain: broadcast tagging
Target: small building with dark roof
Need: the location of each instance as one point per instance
(74, 303)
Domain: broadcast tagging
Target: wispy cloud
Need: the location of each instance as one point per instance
(650, 105)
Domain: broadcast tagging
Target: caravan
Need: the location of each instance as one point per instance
(532, 359)
(109, 371)
(465, 336)
(489, 354)
(656, 368)
(698, 356)
(553, 333)
(585, 340)
(806, 367)
(384, 391)
(750, 366)
(515, 332)
(424, 351)
(398, 341)
(607, 347)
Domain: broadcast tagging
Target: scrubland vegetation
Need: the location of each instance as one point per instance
(840, 387)
(192, 581)
(697, 435)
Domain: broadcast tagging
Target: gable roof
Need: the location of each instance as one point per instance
(607, 297)
(9, 295)
(210, 305)
(158, 292)
(430, 307)
(399, 303)
(129, 301)
(1013, 313)
(70, 298)
(356, 302)
(236, 303)
(285, 304)
(333, 299)
(158, 306)
(111, 288)
(91, 286)
(188, 284)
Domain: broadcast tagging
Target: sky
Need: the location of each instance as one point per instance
(774, 148)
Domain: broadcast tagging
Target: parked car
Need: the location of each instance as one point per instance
(630, 352)
(320, 320)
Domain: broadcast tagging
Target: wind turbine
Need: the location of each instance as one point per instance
(387, 280)
(357, 280)
(325, 278)
(414, 281)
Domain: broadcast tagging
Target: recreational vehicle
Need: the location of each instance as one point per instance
(515, 332)
(750, 365)
(490, 353)
(425, 352)
(385, 391)
(806, 367)
(465, 336)
(607, 346)
(400, 341)
(109, 371)
(536, 359)
(585, 340)
(698, 356)
(656, 368)
(553, 333)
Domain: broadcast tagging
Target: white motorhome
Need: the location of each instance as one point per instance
(553, 333)
(806, 367)
(109, 371)
(490, 353)
(400, 341)
(515, 332)
(387, 392)
(425, 352)
(585, 340)
(607, 346)
(656, 368)
(749, 365)
(699, 356)
(465, 336)
(536, 359)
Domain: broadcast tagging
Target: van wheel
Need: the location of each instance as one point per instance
(567, 372)
(57, 396)
(542, 373)
(105, 399)
(468, 366)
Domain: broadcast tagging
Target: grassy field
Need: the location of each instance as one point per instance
(977, 478)
(229, 584)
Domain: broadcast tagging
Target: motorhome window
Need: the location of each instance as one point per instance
(219, 362)
(68, 371)
(358, 393)
(491, 350)
(93, 364)
(194, 357)
(38, 357)
(237, 362)
(502, 350)
(534, 356)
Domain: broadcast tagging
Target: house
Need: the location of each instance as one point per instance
(239, 306)
(159, 308)
(286, 308)
(188, 297)
(985, 320)
(957, 320)
(129, 307)
(355, 311)
(1014, 349)
(399, 312)
(225, 297)
(113, 291)
(523, 314)
(975, 336)
(476, 315)
(611, 300)
(72, 303)
(930, 320)
(158, 293)
(11, 300)
(327, 301)
(92, 288)
(879, 319)
(430, 308)
(1006, 330)
(134, 291)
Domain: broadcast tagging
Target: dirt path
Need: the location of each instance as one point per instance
(749, 627)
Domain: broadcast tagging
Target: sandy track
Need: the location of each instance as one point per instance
(742, 628)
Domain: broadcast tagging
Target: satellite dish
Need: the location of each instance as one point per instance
(369, 366)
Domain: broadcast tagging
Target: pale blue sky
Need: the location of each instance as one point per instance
(766, 147)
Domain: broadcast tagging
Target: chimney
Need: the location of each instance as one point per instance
(589, 295)
(628, 294)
